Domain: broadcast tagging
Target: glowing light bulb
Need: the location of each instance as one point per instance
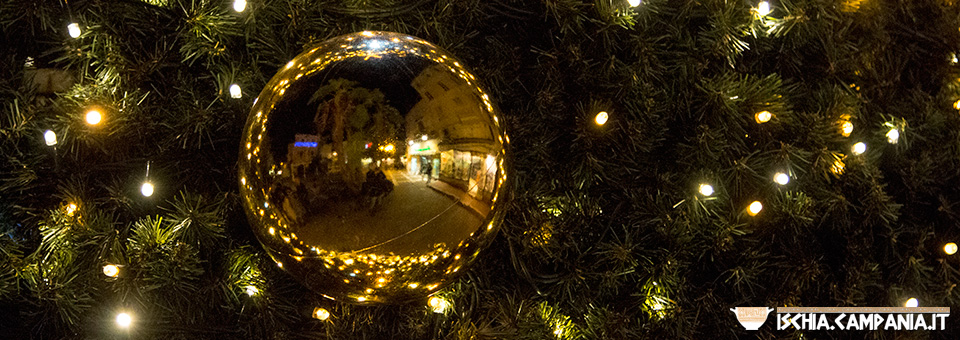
(950, 248)
(124, 320)
(423, 138)
(146, 189)
(111, 270)
(239, 5)
(706, 189)
(437, 304)
(410, 143)
(251, 290)
(633, 3)
(235, 91)
(953, 59)
(71, 208)
(754, 208)
(763, 117)
(763, 8)
(893, 136)
(361, 299)
(846, 128)
(956, 105)
(601, 118)
(321, 313)
(859, 148)
(50, 138)
(912, 302)
(94, 117)
(74, 30)
(781, 178)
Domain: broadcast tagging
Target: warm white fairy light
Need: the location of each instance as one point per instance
(235, 91)
(321, 313)
(438, 305)
(950, 248)
(601, 117)
(846, 128)
(781, 178)
(754, 208)
(146, 189)
(71, 208)
(93, 117)
(893, 136)
(763, 117)
(111, 270)
(763, 8)
(239, 5)
(251, 290)
(633, 3)
(74, 30)
(50, 138)
(706, 189)
(859, 148)
(124, 320)
(912, 302)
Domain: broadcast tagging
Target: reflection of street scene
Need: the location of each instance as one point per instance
(410, 218)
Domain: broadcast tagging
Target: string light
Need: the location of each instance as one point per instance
(633, 3)
(438, 305)
(71, 208)
(754, 208)
(953, 58)
(251, 290)
(912, 302)
(93, 117)
(706, 189)
(893, 136)
(235, 91)
(763, 117)
(950, 248)
(763, 8)
(859, 148)
(321, 313)
(423, 138)
(111, 270)
(124, 320)
(956, 105)
(601, 118)
(846, 128)
(74, 30)
(146, 189)
(239, 5)
(50, 138)
(781, 178)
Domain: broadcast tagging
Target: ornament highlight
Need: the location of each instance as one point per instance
(374, 168)
(950, 248)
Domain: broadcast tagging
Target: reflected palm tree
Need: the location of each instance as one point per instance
(348, 117)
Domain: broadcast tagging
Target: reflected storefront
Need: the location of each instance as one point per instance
(371, 167)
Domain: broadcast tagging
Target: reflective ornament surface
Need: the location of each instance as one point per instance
(374, 168)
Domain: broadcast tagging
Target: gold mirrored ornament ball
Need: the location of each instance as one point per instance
(374, 168)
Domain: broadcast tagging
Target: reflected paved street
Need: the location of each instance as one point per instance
(411, 219)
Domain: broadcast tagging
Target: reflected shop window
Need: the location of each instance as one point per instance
(372, 166)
